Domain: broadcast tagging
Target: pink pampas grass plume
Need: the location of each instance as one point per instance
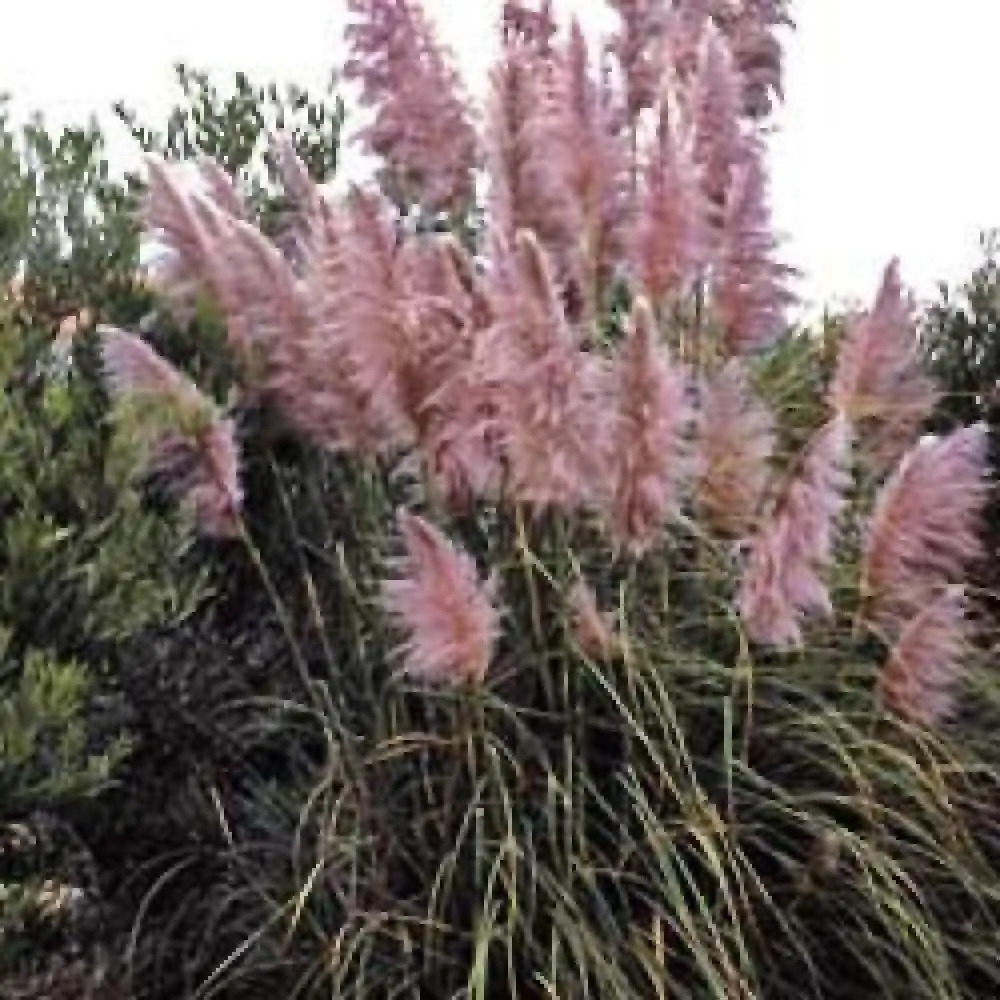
(638, 47)
(401, 343)
(527, 191)
(593, 630)
(422, 127)
(648, 423)
(714, 107)
(586, 151)
(523, 23)
(547, 394)
(879, 383)
(221, 188)
(923, 666)
(783, 581)
(734, 444)
(438, 601)
(749, 287)
(686, 21)
(924, 529)
(751, 27)
(210, 252)
(670, 236)
(196, 456)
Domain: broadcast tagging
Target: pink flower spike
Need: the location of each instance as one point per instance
(735, 441)
(924, 530)
(196, 457)
(670, 236)
(880, 383)
(749, 286)
(638, 46)
(715, 108)
(926, 661)
(783, 581)
(750, 26)
(650, 415)
(422, 127)
(447, 614)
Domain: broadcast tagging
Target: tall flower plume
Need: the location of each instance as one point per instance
(211, 252)
(528, 25)
(923, 666)
(749, 285)
(399, 343)
(221, 188)
(527, 191)
(422, 127)
(880, 384)
(546, 391)
(686, 21)
(735, 440)
(306, 213)
(638, 46)
(783, 581)
(439, 602)
(649, 415)
(585, 151)
(751, 26)
(456, 445)
(715, 107)
(924, 529)
(191, 448)
(669, 243)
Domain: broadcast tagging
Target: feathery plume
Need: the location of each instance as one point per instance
(750, 27)
(400, 345)
(422, 127)
(535, 28)
(638, 47)
(306, 215)
(749, 287)
(926, 661)
(526, 191)
(592, 629)
(192, 449)
(437, 599)
(924, 529)
(669, 242)
(210, 252)
(546, 392)
(182, 273)
(686, 21)
(715, 104)
(586, 152)
(649, 417)
(783, 581)
(221, 188)
(734, 444)
(879, 383)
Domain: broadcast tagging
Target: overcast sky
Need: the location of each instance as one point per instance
(889, 142)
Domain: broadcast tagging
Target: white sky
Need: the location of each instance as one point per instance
(888, 145)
